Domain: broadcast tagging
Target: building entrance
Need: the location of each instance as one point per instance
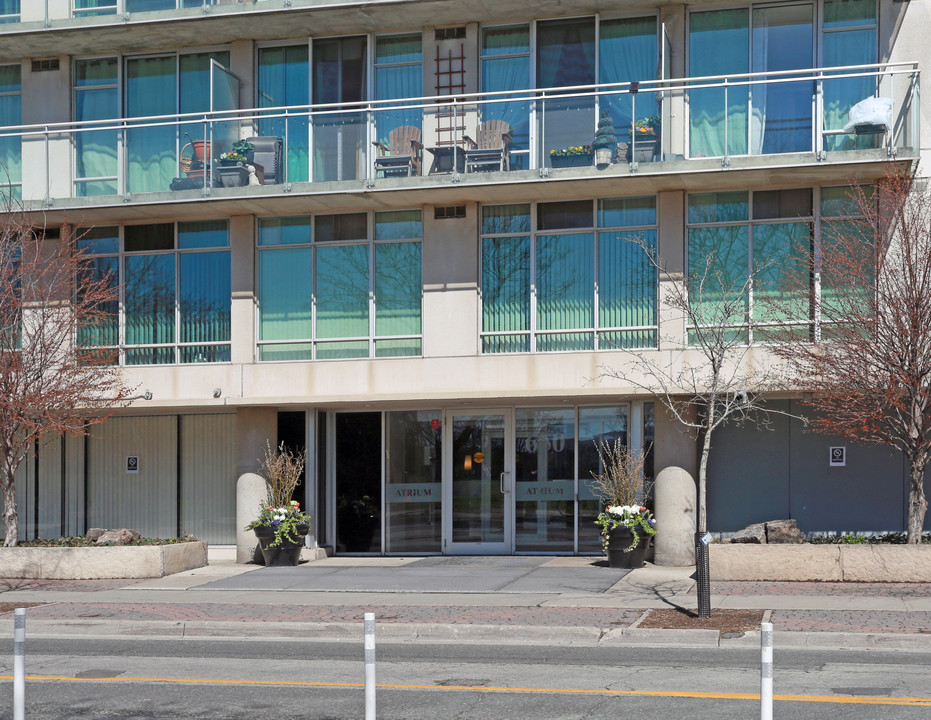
(479, 483)
(469, 481)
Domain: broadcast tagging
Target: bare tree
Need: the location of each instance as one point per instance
(865, 357)
(716, 376)
(50, 296)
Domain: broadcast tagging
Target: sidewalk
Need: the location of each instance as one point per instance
(516, 600)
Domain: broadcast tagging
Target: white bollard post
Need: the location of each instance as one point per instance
(19, 664)
(369, 666)
(766, 671)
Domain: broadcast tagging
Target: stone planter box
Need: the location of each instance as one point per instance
(94, 563)
(839, 563)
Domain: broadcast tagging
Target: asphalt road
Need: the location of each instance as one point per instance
(149, 678)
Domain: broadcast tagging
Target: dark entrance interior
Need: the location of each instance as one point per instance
(358, 482)
(292, 432)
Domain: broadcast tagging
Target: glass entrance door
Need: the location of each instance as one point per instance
(478, 453)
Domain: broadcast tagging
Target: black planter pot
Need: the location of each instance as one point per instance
(647, 148)
(619, 540)
(288, 553)
(564, 161)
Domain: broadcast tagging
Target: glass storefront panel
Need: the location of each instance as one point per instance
(545, 480)
(358, 482)
(519, 481)
(478, 461)
(413, 491)
(596, 425)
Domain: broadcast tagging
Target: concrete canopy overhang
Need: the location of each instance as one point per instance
(275, 20)
(768, 172)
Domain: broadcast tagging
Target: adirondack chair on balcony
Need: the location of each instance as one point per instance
(402, 155)
(489, 151)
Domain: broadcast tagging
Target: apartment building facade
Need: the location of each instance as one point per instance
(418, 272)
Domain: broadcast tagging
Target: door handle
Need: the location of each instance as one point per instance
(502, 479)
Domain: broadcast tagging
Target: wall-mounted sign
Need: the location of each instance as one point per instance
(132, 463)
(838, 457)
(435, 423)
(479, 457)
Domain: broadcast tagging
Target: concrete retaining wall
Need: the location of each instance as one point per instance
(850, 563)
(93, 563)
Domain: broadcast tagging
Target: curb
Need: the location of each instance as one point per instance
(440, 633)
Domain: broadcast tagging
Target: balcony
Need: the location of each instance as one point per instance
(660, 128)
(46, 13)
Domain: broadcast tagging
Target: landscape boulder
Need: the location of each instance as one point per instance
(755, 533)
(93, 534)
(783, 531)
(123, 536)
(774, 532)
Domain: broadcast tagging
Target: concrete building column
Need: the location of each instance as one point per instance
(673, 262)
(675, 445)
(46, 163)
(450, 285)
(674, 111)
(242, 310)
(254, 426)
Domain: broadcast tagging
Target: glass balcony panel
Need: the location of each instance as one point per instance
(150, 90)
(339, 146)
(339, 67)
(506, 69)
(782, 112)
(156, 145)
(93, 8)
(154, 5)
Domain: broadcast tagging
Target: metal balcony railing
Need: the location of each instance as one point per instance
(481, 137)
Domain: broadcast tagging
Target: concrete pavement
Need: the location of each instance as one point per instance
(519, 600)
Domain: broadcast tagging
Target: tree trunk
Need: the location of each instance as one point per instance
(10, 516)
(917, 502)
(702, 524)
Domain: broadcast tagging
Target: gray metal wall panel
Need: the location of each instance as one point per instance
(866, 495)
(756, 475)
(145, 501)
(208, 477)
(49, 478)
(74, 485)
(748, 472)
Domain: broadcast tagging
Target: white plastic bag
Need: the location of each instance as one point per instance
(874, 111)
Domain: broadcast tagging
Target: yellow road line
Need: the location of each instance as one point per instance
(838, 699)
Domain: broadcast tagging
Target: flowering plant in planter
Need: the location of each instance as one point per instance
(647, 125)
(282, 469)
(620, 486)
(239, 153)
(571, 151)
(636, 518)
(286, 521)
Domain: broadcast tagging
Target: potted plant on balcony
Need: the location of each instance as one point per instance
(626, 525)
(281, 525)
(239, 155)
(572, 156)
(644, 139)
(605, 142)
